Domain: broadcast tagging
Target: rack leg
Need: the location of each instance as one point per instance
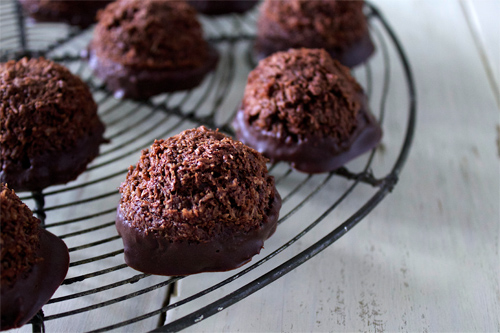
(21, 26)
(39, 206)
(37, 323)
(171, 290)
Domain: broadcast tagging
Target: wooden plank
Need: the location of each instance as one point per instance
(482, 18)
(426, 259)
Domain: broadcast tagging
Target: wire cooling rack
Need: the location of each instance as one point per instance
(100, 292)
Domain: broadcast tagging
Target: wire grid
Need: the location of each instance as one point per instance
(99, 284)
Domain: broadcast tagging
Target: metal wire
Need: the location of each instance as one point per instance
(83, 208)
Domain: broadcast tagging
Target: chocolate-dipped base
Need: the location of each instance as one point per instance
(151, 254)
(53, 167)
(221, 7)
(21, 301)
(130, 82)
(349, 55)
(312, 155)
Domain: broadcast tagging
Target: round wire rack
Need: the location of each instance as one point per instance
(101, 293)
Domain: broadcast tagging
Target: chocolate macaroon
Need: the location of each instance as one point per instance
(339, 27)
(196, 202)
(303, 107)
(74, 12)
(34, 262)
(145, 47)
(49, 127)
(222, 7)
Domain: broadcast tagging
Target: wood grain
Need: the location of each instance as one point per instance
(427, 259)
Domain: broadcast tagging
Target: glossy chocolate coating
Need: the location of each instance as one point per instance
(50, 126)
(129, 82)
(54, 167)
(156, 255)
(21, 301)
(312, 155)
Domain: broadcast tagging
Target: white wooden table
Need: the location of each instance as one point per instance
(427, 258)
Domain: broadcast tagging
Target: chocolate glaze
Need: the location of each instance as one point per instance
(53, 167)
(21, 301)
(130, 82)
(350, 56)
(221, 7)
(312, 155)
(151, 254)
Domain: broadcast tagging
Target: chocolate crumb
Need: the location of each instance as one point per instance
(302, 93)
(150, 34)
(197, 185)
(19, 237)
(303, 107)
(43, 107)
(313, 24)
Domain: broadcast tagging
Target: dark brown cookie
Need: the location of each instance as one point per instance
(221, 7)
(34, 262)
(196, 202)
(49, 127)
(339, 27)
(145, 47)
(303, 107)
(75, 12)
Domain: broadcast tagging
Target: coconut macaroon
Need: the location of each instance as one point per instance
(145, 47)
(340, 27)
(75, 12)
(196, 202)
(49, 126)
(34, 262)
(303, 107)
